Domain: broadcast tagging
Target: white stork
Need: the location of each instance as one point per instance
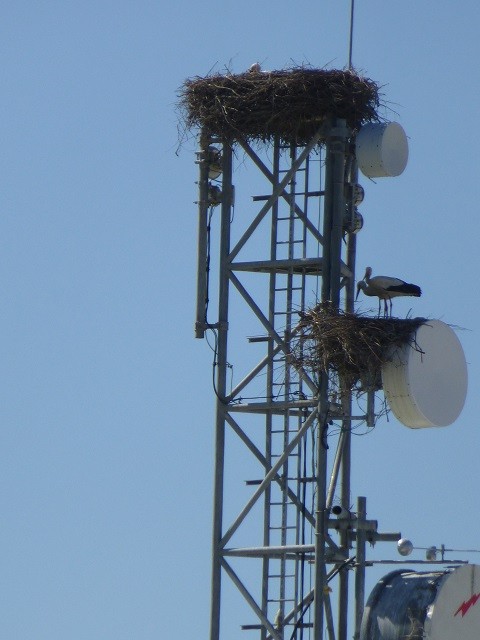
(386, 288)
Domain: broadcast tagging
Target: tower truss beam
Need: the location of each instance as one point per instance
(280, 411)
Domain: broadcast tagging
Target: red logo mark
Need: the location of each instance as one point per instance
(465, 606)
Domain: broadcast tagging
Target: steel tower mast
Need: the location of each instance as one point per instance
(291, 560)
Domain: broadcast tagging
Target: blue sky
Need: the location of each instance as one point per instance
(106, 411)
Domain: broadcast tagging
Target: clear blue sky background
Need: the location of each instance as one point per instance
(106, 405)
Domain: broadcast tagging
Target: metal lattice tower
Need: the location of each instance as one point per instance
(296, 249)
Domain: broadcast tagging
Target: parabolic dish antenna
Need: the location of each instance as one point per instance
(425, 382)
(437, 605)
(382, 149)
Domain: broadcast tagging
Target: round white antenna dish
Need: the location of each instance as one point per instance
(382, 149)
(425, 382)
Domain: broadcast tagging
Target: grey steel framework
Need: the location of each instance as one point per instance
(289, 420)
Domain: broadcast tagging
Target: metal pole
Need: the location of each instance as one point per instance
(221, 362)
(347, 405)
(336, 469)
(270, 381)
(320, 512)
(327, 222)
(351, 238)
(350, 48)
(337, 152)
(360, 567)
(334, 211)
(202, 238)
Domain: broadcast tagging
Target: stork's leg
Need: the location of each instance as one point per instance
(379, 307)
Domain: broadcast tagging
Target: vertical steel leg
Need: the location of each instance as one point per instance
(221, 360)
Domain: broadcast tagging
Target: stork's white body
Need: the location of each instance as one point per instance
(386, 288)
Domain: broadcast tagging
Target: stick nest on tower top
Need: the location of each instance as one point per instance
(291, 104)
(354, 347)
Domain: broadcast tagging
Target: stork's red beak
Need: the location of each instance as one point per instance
(358, 291)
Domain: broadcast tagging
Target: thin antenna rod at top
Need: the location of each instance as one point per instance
(352, 9)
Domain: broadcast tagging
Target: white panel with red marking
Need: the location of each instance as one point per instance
(455, 613)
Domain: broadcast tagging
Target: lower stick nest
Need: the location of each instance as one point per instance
(353, 346)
